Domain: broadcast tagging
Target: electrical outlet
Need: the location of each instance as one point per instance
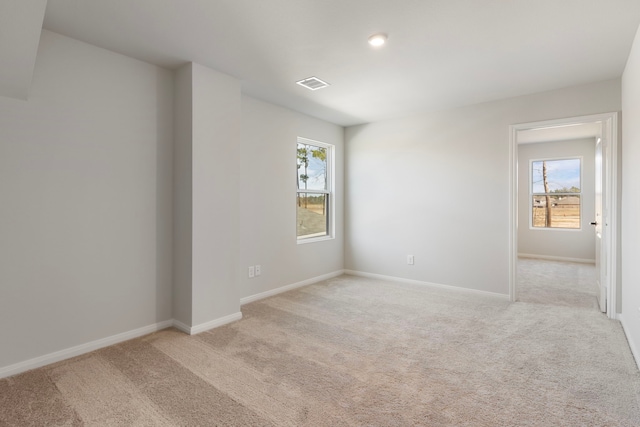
(410, 259)
(252, 272)
(258, 270)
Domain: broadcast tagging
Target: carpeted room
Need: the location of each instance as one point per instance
(139, 183)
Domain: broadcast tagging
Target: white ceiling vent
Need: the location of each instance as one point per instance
(312, 83)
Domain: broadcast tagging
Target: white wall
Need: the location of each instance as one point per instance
(561, 243)
(436, 185)
(268, 194)
(631, 198)
(85, 190)
(88, 187)
(215, 183)
(182, 196)
(206, 185)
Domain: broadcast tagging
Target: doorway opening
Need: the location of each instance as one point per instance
(599, 212)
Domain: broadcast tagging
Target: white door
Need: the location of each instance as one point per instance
(600, 226)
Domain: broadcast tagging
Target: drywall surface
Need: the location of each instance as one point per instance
(86, 211)
(206, 185)
(21, 23)
(182, 195)
(631, 198)
(436, 185)
(215, 184)
(268, 197)
(562, 243)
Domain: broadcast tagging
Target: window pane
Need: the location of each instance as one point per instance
(312, 167)
(556, 211)
(312, 212)
(563, 176)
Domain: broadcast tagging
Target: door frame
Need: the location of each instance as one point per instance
(610, 134)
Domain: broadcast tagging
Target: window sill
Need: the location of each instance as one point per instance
(555, 229)
(315, 239)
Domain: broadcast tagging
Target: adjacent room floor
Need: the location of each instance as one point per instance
(353, 351)
(561, 283)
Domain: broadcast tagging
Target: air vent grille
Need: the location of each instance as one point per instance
(312, 83)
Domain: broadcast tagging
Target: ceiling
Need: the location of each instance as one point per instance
(440, 53)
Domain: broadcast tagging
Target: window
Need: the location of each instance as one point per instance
(556, 193)
(314, 201)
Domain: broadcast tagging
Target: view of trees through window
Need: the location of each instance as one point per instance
(313, 191)
(556, 193)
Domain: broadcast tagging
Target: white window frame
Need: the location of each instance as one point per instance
(329, 192)
(531, 193)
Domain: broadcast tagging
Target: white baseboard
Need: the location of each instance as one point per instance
(272, 292)
(429, 284)
(632, 345)
(57, 356)
(181, 326)
(208, 325)
(78, 350)
(557, 258)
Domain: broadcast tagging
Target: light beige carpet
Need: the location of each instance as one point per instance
(351, 351)
(562, 283)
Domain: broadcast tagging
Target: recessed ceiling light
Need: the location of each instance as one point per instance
(378, 39)
(312, 83)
